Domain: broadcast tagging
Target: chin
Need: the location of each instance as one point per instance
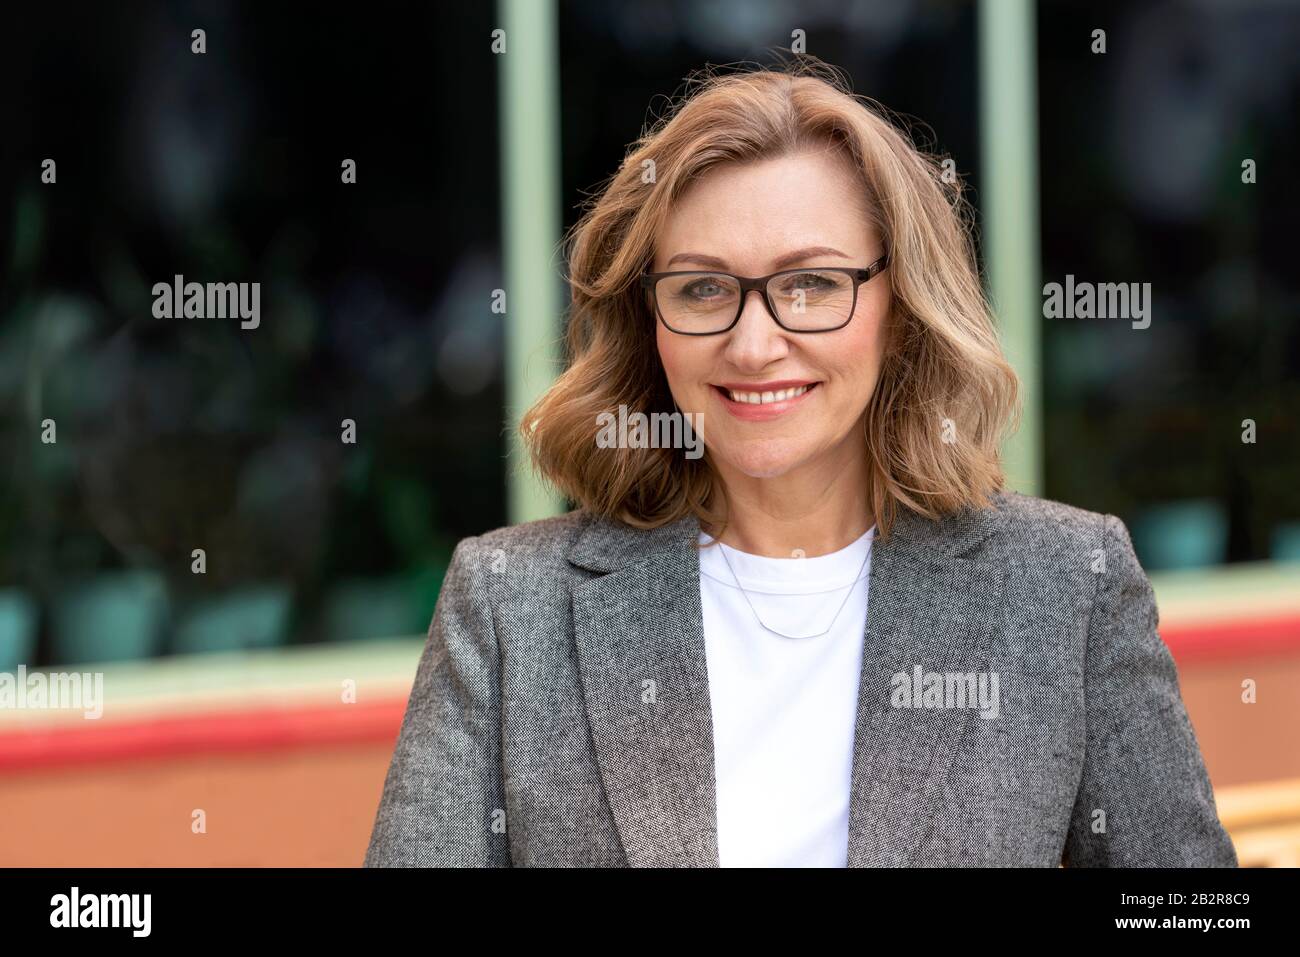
(766, 461)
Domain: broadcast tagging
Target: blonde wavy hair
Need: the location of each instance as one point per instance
(943, 372)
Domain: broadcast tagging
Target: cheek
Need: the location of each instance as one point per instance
(668, 357)
(868, 334)
(676, 365)
(680, 357)
(855, 359)
(864, 346)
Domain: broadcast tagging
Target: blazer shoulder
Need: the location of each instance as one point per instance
(1031, 523)
(539, 545)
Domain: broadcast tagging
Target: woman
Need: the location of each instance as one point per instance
(878, 656)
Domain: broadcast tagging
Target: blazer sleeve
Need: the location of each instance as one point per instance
(1142, 766)
(443, 803)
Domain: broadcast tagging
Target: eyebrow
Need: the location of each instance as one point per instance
(789, 259)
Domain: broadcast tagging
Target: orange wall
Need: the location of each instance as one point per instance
(310, 807)
(313, 804)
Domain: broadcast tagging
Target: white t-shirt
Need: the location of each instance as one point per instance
(784, 709)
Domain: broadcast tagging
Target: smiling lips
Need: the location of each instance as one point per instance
(762, 400)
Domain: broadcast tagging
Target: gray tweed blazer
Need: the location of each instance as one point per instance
(560, 714)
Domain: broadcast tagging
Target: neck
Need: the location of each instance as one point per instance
(812, 511)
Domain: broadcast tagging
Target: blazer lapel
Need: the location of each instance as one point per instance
(927, 605)
(641, 657)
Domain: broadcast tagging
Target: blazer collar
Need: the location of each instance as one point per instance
(934, 600)
(604, 545)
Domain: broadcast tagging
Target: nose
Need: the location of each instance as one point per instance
(755, 341)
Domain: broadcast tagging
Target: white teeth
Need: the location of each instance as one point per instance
(755, 398)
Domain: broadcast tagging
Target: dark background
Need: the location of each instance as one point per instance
(174, 435)
(1141, 153)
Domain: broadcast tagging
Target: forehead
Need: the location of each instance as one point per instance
(750, 213)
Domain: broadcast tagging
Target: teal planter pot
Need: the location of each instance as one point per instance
(1285, 545)
(246, 618)
(118, 616)
(18, 616)
(1187, 534)
(362, 609)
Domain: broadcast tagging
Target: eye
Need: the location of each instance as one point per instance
(808, 281)
(705, 288)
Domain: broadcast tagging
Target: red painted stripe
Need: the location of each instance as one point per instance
(1235, 638)
(270, 729)
(188, 734)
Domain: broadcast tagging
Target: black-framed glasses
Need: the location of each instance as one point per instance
(808, 299)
